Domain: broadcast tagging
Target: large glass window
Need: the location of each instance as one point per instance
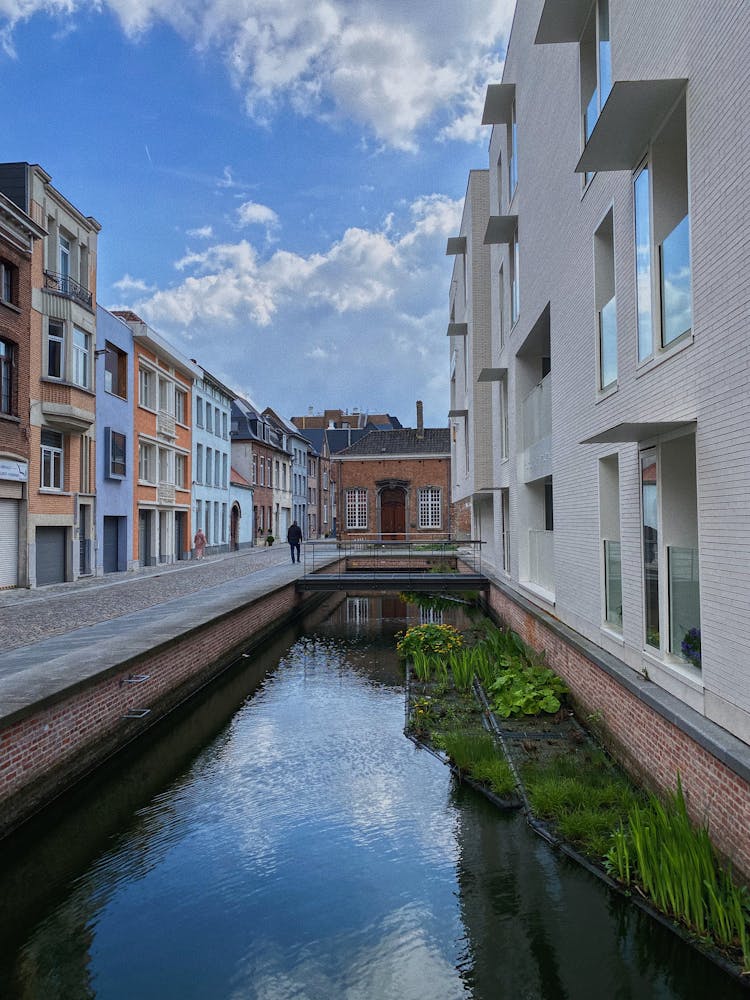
(180, 406)
(662, 232)
(515, 288)
(7, 377)
(512, 153)
(429, 507)
(52, 460)
(650, 518)
(595, 66)
(180, 471)
(116, 453)
(356, 510)
(81, 358)
(147, 462)
(604, 294)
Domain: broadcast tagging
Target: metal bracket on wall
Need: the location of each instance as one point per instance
(136, 713)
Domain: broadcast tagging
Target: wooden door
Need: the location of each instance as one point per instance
(393, 514)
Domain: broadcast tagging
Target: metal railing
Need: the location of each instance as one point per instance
(64, 284)
(413, 556)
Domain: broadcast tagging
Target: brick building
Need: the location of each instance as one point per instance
(61, 530)
(18, 233)
(395, 484)
(162, 447)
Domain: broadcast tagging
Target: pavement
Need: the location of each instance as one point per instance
(58, 636)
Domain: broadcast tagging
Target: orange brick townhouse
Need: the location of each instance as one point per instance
(162, 447)
(56, 407)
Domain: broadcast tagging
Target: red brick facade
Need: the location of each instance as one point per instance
(402, 477)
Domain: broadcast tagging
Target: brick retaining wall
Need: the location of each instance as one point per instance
(59, 739)
(648, 744)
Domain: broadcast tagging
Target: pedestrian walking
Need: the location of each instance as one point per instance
(200, 543)
(294, 537)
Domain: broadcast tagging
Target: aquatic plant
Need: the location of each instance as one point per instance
(474, 752)
(422, 665)
(675, 864)
(462, 667)
(433, 639)
(521, 690)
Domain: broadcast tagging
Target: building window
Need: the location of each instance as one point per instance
(209, 466)
(115, 451)
(198, 514)
(147, 462)
(515, 288)
(115, 371)
(662, 238)
(81, 358)
(8, 283)
(356, 510)
(609, 527)
(595, 67)
(147, 388)
(262, 472)
(209, 417)
(225, 426)
(166, 465)
(604, 295)
(85, 465)
(650, 521)
(217, 422)
(166, 396)
(55, 349)
(429, 507)
(63, 256)
(223, 523)
(225, 471)
(504, 419)
(8, 397)
(512, 153)
(255, 470)
(199, 411)
(199, 463)
(180, 471)
(52, 460)
(269, 481)
(180, 406)
(217, 468)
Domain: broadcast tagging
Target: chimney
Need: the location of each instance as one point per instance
(420, 420)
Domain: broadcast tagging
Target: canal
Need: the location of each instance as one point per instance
(279, 838)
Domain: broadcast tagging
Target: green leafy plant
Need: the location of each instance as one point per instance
(527, 691)
(462, 667)
(422, 665)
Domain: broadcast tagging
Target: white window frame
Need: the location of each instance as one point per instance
(356, 509)
(81, 374)
(56, 338)
(147, 463)
(180, 406)
(430, 507)
(52, 458)
(147, 388)
(180, 470)
(110, 453)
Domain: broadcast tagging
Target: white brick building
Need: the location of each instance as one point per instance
(617, 358)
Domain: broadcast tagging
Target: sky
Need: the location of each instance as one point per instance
(275, 179)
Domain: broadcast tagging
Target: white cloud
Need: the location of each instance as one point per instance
(129, 285)
(250, 213)
(391, 67)
(366, 316)
(202, 233)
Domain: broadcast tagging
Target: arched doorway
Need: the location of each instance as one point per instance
(234, 528)
(393, 513)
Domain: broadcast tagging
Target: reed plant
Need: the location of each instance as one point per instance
(422, 664)
(462, 667)
(675, 864)
(475, 753)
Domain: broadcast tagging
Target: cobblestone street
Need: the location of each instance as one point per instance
(28, 616)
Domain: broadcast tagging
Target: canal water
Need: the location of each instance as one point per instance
(281, 839)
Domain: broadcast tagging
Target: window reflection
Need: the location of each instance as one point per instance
(677, 317)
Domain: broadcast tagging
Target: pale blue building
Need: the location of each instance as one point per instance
(115, 444)
(212, 403)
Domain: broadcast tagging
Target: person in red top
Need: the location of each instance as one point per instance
(200, 544)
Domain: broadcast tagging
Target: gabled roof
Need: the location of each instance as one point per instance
(397, 443)
(237, 479)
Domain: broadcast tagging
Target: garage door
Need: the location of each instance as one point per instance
(50, 556)
(8, 543)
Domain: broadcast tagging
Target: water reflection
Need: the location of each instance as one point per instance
(286, 841)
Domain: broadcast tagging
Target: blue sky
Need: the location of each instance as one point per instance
(275, 179)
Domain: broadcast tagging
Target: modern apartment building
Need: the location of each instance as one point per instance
(618, 508)
(61, 531)
(162, 446)
(212, 405)
(115, 469)
(18, 234)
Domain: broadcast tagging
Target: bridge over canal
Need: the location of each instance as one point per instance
(435, 567)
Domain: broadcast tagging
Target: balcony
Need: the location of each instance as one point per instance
(65, 285)
(165, 493)
(542, 559)
(165, 424)
(537, 431)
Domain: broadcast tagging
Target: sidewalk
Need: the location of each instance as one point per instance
(31, 616)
